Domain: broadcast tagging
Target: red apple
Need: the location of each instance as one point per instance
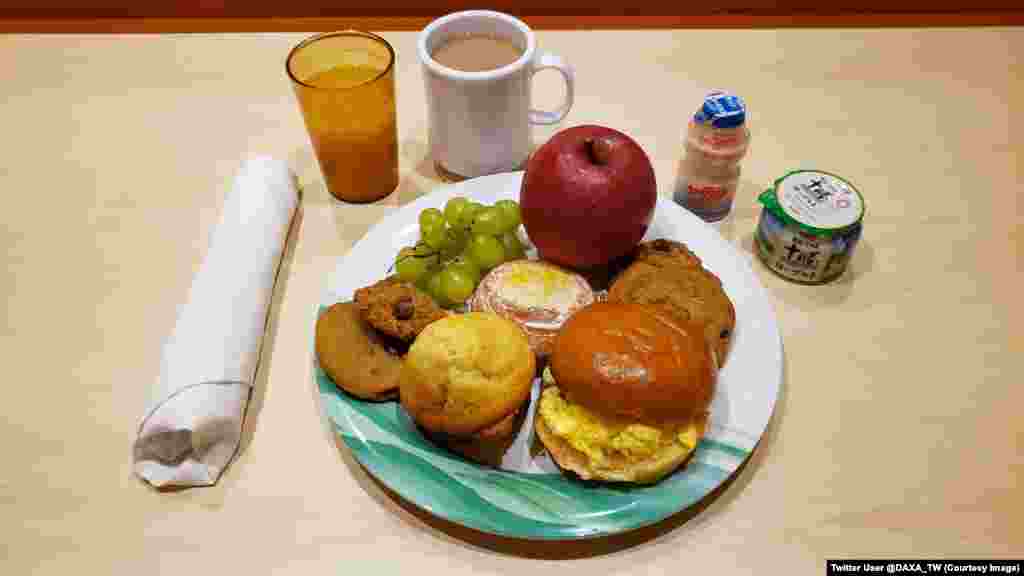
(588, 196)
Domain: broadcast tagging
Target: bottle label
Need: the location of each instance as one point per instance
(706, 194)
(722, 139)
(709, 200)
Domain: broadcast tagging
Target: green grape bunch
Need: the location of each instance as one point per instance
(458, 245)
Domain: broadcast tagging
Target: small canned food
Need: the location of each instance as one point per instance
(809, 227)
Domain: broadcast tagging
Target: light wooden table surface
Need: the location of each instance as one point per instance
(898, 432)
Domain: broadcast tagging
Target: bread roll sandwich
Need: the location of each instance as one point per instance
(466, 382)
(626, 393)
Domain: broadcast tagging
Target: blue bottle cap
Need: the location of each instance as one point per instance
(722, 110)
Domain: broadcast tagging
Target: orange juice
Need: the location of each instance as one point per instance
(349, 110)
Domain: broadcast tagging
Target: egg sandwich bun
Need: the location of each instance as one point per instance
(466, 381)
(626, 393)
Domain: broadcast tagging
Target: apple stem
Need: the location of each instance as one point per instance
(599, 150)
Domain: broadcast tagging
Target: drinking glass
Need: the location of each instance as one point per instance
(345, 85)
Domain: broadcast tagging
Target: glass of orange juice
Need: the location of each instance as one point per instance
(345, 85)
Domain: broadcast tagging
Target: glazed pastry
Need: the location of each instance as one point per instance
(538, 296)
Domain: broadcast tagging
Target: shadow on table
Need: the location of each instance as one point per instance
(307, 171)
(266, 357)
(408, 190)
(745, 210)
(417, 154)
(675, 526)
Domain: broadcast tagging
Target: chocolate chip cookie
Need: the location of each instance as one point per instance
(397, 308)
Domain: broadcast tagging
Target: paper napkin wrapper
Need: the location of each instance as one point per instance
(192, 424)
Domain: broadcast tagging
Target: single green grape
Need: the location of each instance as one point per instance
(506, 204)
(435, 288)
(456, 284)
(486, 251)
(466, 264)
(410, 266)
(488, 221)
(451, 249)
(424, 280)
(423, 250)
(435, 236)
(453, 211)
(514, 249)
(456, 244)
(512, 216)
(505, 222)
(431, 217)
(429, 224)
(428, 255)
(469, 213)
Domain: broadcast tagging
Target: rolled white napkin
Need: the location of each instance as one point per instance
(193, 421)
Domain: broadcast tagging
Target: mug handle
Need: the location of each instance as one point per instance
(544, 61)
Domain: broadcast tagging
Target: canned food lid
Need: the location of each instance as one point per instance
(818, 202)
(722, 110)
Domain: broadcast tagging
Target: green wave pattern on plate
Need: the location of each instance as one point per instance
(548, 506)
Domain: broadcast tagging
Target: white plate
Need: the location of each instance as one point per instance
(528, 498)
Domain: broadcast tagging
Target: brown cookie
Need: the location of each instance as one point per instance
(684, 292)
(661, 253)
(359, 360)
(397, 308)
(666, 253)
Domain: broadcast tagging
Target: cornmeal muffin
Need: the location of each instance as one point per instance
(488, 446)
(466, 379)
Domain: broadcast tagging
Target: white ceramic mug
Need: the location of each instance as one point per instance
(480, 121)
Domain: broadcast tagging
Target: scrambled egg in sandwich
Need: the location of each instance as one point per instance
(626, 395)
(610, 443)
